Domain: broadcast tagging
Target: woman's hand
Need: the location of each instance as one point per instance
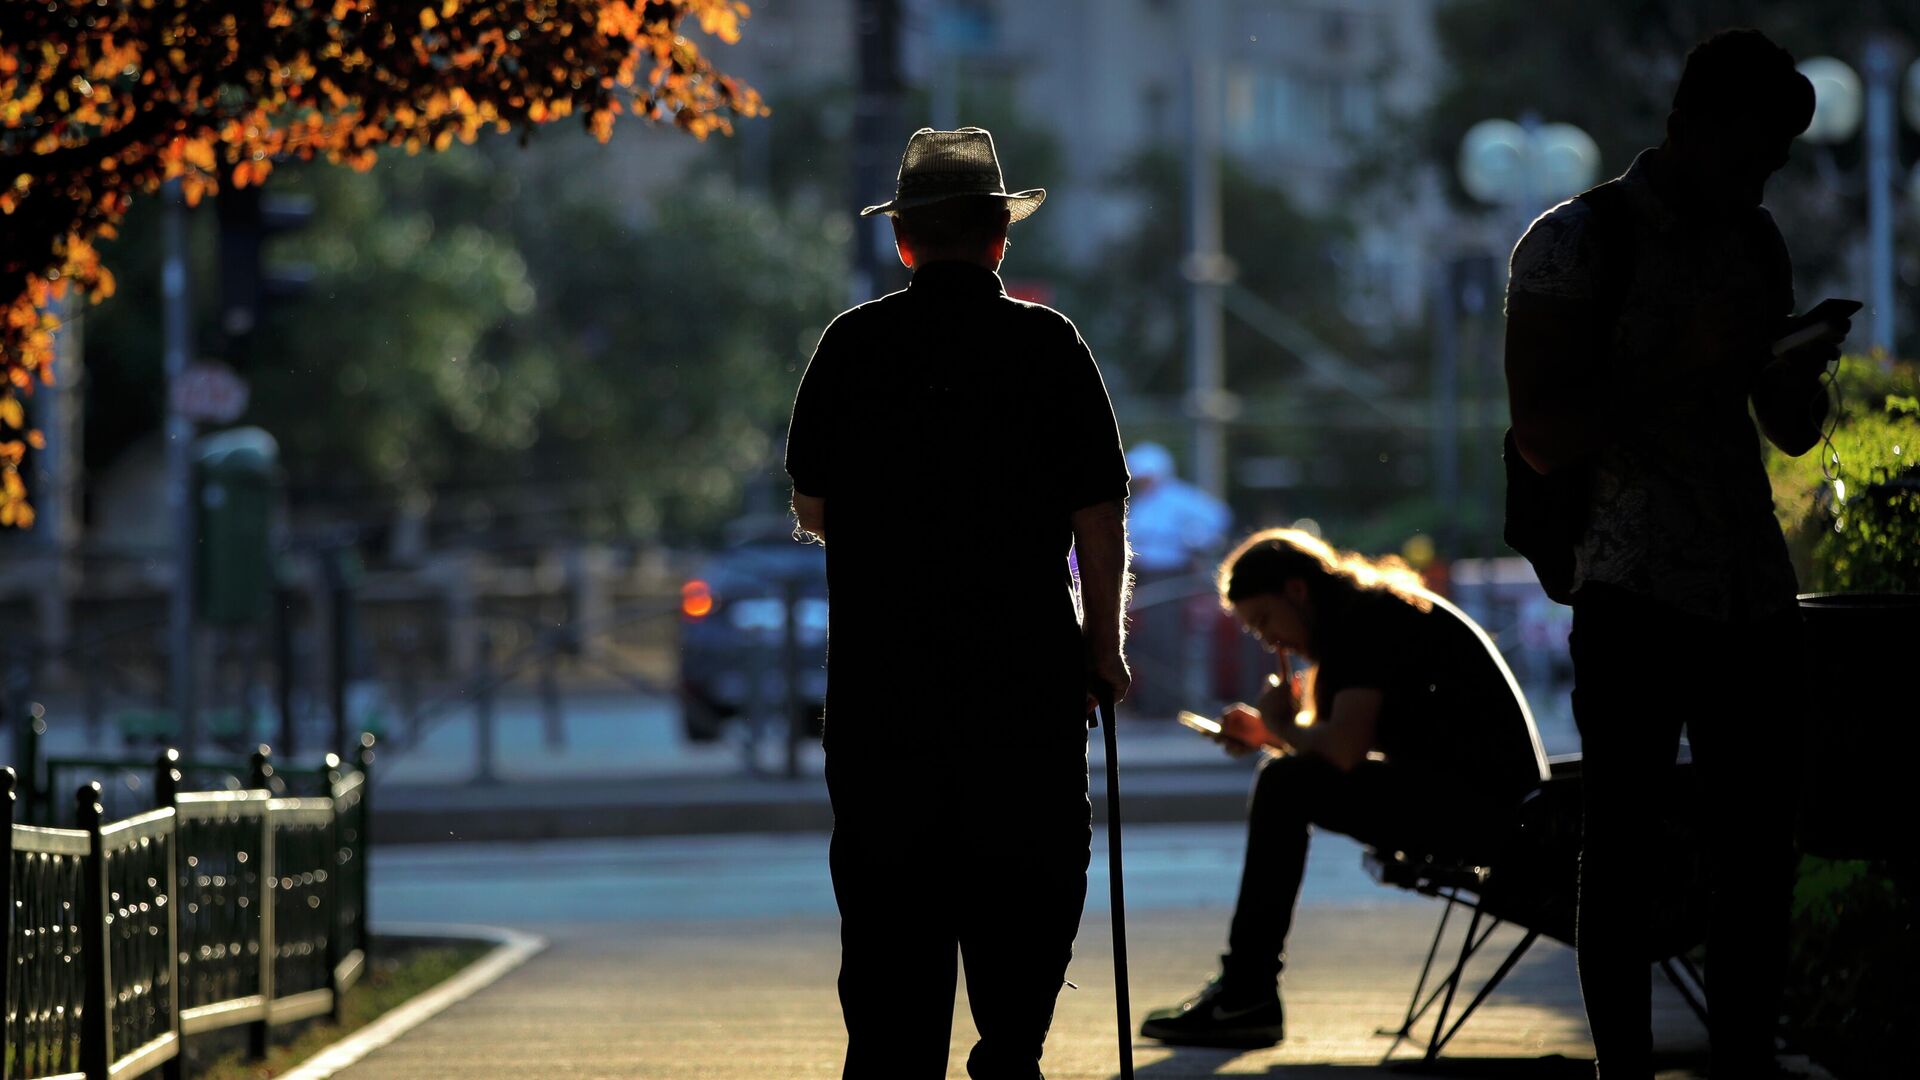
(1241, 730)
(1278, 703)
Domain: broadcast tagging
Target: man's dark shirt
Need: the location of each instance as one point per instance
(953, 432)
(1680, 508)
(1449, 702)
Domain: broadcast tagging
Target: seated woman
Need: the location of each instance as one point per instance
(1413, 737)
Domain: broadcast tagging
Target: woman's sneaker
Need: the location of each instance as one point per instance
(1233, 1018)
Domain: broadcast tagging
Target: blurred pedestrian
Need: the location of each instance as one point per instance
(1174, 529)
(1407, 732)
(1643, 318)
(954, 444)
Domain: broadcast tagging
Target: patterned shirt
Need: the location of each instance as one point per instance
(1681, 509)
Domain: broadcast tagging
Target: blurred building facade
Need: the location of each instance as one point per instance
(1305, 85)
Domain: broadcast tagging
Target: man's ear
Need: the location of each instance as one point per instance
(900, 244)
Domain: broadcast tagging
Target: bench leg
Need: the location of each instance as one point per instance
(1500, 973)
(1405, 1031)
(1695, 1001)
(1475, 939)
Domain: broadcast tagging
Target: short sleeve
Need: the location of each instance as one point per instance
(809, 432)
(1095, 464)
(1379, 649)
(1555, 257)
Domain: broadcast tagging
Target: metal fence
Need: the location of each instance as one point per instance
(214, 909)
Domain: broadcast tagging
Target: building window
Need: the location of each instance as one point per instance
(1277, 109)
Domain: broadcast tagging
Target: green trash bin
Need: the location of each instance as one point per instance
(236, 478)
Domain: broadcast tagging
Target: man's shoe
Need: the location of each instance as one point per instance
(1219, 1016)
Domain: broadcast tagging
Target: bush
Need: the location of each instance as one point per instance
(1851, 513)
(1851, 507)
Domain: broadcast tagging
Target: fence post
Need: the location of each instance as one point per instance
(96, 1021)
(260, 1032)
(93, 693)
(790, 670)
(553, 725)
(336, 947)
(407, 645)
(340, 639)
(260, 768)
(31, 724)
(7, 779)
(166, 789)
(363, 874)
(283, 665)
(483, 710)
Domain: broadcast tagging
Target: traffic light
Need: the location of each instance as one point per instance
(249, 217)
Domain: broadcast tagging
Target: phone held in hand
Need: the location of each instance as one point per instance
(1819, 322)
(1199, 723)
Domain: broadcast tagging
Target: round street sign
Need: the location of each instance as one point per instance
(209, 393)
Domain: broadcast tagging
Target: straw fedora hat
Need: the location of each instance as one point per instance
(940, 165)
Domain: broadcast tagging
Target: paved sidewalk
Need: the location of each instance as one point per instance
(624, 769)
(753, 1000)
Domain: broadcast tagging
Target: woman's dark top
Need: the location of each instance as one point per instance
(1449, 701)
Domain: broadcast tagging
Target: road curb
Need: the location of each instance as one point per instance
(432, 825)
(512, 948)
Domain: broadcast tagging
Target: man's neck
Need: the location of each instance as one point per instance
(991, 266)
(1678, 184)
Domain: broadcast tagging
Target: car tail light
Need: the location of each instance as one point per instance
(696, 600)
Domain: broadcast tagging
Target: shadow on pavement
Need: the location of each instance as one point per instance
(1192, 1062)
(1188, 1062)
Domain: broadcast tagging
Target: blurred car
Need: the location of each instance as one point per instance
(733, 626)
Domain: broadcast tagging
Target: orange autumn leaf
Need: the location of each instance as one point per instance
(105, 100)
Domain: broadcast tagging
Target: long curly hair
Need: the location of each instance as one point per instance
(1264, 563)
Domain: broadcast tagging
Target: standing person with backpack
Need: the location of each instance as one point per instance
(1644, 318)
(955, 444)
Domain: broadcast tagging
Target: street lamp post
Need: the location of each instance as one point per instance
(1842, 99)
(1520, 167)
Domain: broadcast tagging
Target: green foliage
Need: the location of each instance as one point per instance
(1850, 989)
(509, 337)
(1860, 532)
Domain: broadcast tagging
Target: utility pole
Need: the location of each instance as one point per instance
(877, 140)
(177, 331)
(1881, 73)
(1445, 432)
(1206, 267)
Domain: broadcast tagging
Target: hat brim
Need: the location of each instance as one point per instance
(1020, 204)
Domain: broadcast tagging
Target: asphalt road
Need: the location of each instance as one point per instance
(713, 959)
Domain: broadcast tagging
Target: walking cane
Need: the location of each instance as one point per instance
(1103, 693)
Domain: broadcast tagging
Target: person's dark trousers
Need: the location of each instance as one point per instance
(933, 858)
(1642, 671)
(1377, 803)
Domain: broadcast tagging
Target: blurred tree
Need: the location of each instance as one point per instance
(533, 364)
(1132, 308)
(102, 100)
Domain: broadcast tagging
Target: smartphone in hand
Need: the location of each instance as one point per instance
(1821, 321)
(1200, 723)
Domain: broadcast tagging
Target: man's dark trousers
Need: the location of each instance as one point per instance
(1642, 670)
(937, 854)
(1395, 806)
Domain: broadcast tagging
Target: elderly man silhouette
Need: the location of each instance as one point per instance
(951, 445)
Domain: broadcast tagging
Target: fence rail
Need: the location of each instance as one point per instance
(212, 910)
